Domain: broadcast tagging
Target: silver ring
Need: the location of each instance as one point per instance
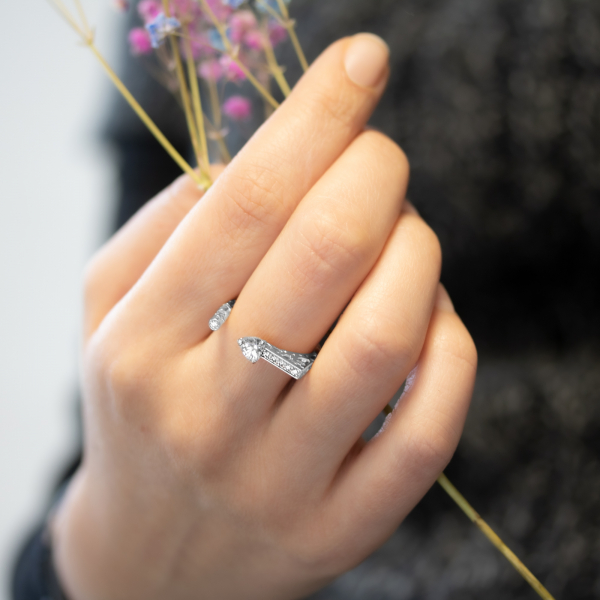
(221, 315)
(293, 363)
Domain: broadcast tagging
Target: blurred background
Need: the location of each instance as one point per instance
(56, 184)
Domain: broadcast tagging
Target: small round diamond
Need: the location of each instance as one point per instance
(252, 348)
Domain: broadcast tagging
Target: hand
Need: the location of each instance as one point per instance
(205, 476)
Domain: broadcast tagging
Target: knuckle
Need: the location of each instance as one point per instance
(127, 373)
(331, 103)
(319, 554)
(378, 347)
(385, 151)
(328, 246)
(254, 199)
(456, 343)
(427, 244)
(430, 446)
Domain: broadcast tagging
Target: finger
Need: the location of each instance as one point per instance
(324, 253)
(121, 261)
(223, 239)
(369, 354)
(391, 474)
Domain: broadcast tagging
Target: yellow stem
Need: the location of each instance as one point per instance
(84, 21)
(185, 96)
(197, 102)
(62, 9)
(297, 47)
(143, 115)
(261, 89)
(292, 32)
(216, 112)
(283, 9)
(229, 51)
(224, 150)
(488, 531)
(267, 7)
(274, 67)
(215, 103)
(493, 537)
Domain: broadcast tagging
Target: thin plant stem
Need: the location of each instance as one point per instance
(215, 104)
(261, 89)
(201, 178)
(229, 51)
(197, 101)
(284, 20)
(83, 18)
(217, 119)
(491, 535)
(223, 149)
(289, 24)
(88, 40)
(64, 12)
(183, 90)
(274, 66)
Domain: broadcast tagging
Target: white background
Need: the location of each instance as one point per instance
(56, 192)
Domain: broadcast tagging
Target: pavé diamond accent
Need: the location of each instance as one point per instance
(292, 363)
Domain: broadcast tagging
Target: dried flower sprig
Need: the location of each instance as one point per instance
(187, 20)
(87, 37)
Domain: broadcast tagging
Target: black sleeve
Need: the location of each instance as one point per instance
(34, 577)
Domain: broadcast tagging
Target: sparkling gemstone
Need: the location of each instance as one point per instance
(252, 348)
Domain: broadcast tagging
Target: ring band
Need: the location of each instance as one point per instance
(221, 315)
(293, 363)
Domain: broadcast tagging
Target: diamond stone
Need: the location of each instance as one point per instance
(252, 348)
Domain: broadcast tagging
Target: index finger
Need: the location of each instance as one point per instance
(243, 213)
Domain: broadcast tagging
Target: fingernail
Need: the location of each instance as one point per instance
(443, 302)
(366, 59)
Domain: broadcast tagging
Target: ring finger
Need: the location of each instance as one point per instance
(369, 354)
(321, 257)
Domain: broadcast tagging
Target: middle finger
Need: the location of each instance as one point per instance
(210, 257)
(321, 257)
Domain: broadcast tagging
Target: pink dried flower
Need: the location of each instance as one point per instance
(240, 23)
(237, 108)
(185, 9)
(121, 5)
(254, 40)
(221, 11)
(139, 41)
(231, 69)
(211, 70)
(277, 33)
(201, 47)
(149, 10)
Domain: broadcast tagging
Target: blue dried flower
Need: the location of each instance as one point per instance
(234, 3)
(160, 27)
(216, 41)
(272, 4)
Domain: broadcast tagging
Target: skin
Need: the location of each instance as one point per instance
(205, 476)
